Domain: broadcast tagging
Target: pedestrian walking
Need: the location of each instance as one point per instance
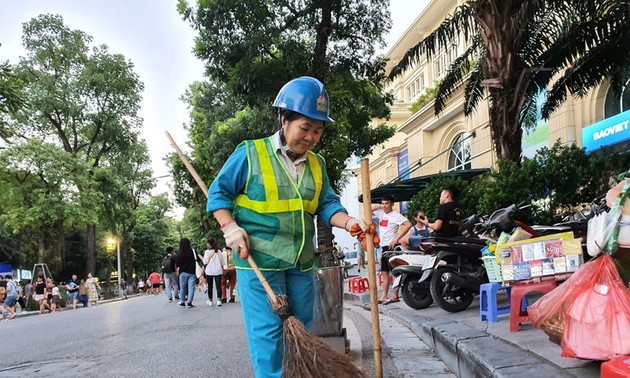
(154, 278)
(228, 280)
(185, 262)
(72, 289)
(170, 275)
(213, 262)
(55, 302)
(123, 289)
(93, 289)
(40, 294)
(287, 186)
(141, 286)
(148, 286)
(84, 294)
(10, 299)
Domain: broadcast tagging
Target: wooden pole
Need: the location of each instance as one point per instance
(369, 253)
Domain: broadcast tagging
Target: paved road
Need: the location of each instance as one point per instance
(143, 335)
(147, 336)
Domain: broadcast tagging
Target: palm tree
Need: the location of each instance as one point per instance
(516, 48)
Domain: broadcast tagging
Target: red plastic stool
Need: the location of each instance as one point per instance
(517, 295)
(353, 284)
(364, 284)
(616, 368)
(358, 284)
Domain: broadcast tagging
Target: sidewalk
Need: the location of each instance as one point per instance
(21, 314)
(472, 348)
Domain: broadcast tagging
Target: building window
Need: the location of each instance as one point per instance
(459, 156)
(616, 103)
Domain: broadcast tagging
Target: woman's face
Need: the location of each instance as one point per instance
(89, 275)
(302, 133)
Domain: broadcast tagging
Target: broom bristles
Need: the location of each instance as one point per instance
(308, 356)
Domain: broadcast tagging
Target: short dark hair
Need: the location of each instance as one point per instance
(169, 249)
(453, 191)
(388, 197)
(8, 277)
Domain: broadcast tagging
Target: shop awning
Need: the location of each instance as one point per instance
(403, 190)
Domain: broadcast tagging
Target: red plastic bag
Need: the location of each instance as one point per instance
(597, 320)
(552, 306)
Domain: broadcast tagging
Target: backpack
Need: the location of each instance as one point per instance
(167, 265)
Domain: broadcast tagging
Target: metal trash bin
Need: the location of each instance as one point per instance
(328, 306)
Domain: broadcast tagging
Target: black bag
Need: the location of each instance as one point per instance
(167, 265)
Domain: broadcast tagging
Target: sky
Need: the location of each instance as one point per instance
(152, 35)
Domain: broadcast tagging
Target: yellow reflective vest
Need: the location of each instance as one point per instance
(277, 212)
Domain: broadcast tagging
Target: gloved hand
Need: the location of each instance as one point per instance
(352, 221)
(236, 237)
(361, 233)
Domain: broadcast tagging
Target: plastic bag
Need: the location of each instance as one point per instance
(550, 309)
(600, 228)
(597, 321)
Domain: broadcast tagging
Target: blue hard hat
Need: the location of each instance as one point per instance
(305, 95)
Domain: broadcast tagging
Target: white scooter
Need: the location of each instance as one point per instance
(407, 270)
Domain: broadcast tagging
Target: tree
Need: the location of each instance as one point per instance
(11, 97)
(40, 185)
(85, 98)
(521, 47)
(251, 49)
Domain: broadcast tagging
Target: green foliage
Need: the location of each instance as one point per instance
(93, 169)
(251, 49)
(12, 98)
(428, 200)
(509, 183)
(425, 98)
(557, 181)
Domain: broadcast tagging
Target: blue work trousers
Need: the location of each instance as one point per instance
(262, 326)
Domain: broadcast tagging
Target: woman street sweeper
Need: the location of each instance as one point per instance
(265, 198)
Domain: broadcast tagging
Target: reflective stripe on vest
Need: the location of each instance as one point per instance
(273, 204)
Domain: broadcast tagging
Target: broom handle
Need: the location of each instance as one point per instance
(189, 166)
(202, 185)
(369, 253)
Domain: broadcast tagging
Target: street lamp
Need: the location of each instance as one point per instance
(111, 242)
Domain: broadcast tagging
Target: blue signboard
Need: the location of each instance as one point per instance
(403, 165)
(606, 132)
(403, 173)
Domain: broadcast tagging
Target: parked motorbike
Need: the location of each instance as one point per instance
(407, 270)
(456, 271)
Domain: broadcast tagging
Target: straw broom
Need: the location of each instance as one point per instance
(305, 355)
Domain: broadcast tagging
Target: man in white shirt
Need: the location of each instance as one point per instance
(392, 227)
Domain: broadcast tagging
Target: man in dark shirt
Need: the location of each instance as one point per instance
(449, 215)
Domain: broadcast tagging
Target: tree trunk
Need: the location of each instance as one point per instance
(324, 28)
(507, 133)
(324, 243)
(500, 31)
(41, 248)
(90, 252)
(60, 247)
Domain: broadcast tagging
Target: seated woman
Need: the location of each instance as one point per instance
(416, 233)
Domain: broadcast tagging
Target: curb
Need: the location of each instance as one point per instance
(468, 352)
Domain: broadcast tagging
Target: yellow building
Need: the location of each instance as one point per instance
(429, 144)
